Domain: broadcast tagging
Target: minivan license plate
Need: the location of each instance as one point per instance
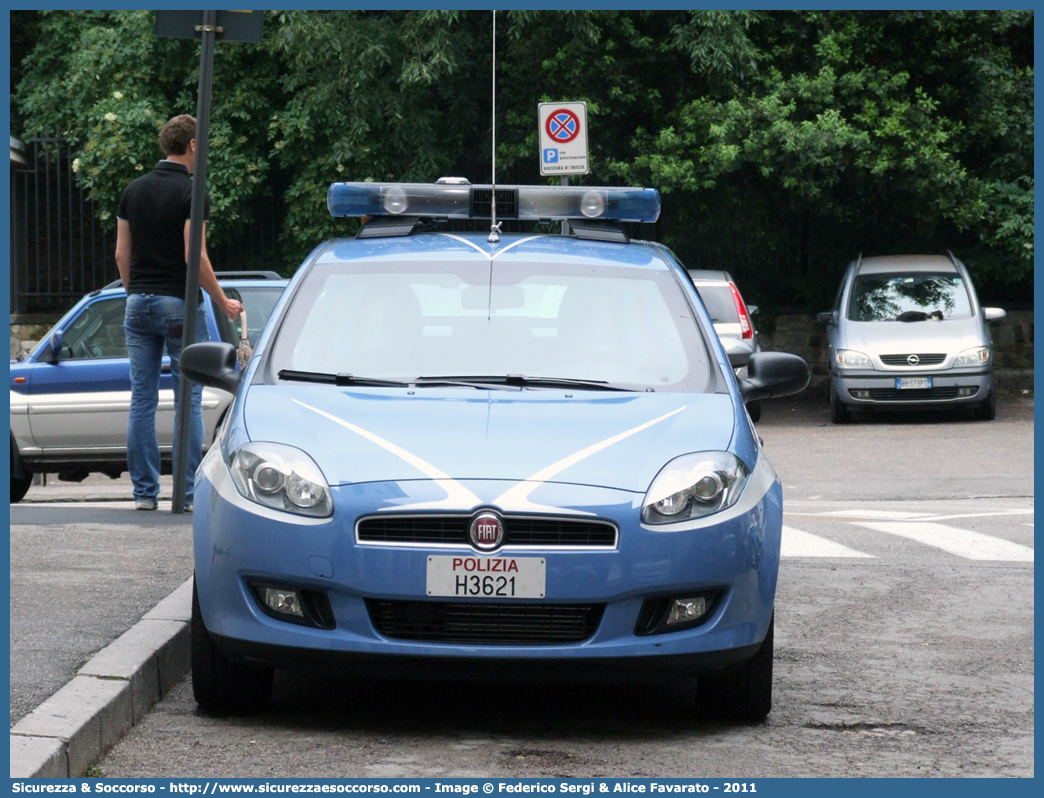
(905, 383)
(486, 577)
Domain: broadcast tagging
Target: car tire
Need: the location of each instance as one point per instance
(986, 411)
(220, 685)
(743, 694)
(839, 412)
(754, 409)
(20, 487)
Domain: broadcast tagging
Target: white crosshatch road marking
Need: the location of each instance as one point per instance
(798, 543)
(921, 528)
(962, 542)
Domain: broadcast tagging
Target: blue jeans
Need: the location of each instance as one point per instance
(151, 323)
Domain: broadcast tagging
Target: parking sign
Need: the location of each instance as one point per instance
(563, 138)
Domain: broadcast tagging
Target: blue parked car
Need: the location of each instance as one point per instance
(70, 395)
(500, 457)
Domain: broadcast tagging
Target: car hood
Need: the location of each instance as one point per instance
(896, 337)
(618, 440)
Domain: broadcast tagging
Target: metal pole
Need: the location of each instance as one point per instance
(565, 222)
(199, 184)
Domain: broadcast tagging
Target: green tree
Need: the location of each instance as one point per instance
(784, 142)
(880, 132)
(105, 80)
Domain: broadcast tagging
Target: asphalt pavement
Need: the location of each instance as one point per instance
(94, 644)
(86, 568)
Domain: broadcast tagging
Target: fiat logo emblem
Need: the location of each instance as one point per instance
(486, 532)
(913, 360)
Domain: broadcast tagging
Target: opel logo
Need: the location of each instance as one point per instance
(913, 360)
(486, 532)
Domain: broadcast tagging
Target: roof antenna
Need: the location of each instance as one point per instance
(494, 229)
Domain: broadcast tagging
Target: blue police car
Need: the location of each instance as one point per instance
(503, 456)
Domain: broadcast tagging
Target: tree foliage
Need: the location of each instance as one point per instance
(784, 142)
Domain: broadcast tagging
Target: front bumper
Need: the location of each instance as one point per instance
(238, 543)
(880, 390)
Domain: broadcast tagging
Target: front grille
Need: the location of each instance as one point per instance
(482, 201)
(453, 530)
(485, 624)
(914, 395)
(901, 360)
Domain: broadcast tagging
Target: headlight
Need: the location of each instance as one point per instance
(281, 477)
(847, 358)
(693, 486)
(973, 357)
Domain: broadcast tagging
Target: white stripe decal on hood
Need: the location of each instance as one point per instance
(515, 499)
(458, 497)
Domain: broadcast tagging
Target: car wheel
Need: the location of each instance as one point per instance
(754, 409)
(20, 487)
(986, 411)
(839, 412)
(219, 684)
(742, 694)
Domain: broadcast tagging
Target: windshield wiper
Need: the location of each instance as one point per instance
(487, 383)
(522, 381)
(339, 379)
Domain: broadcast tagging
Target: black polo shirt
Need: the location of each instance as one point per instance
(157, 205)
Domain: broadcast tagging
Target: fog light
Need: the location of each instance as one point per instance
(860, 394)
(686, 610)
(967, 391)
(283, 601)
(676, 613)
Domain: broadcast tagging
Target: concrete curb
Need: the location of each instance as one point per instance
(73, 728)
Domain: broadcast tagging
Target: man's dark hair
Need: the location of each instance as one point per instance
(175, 136)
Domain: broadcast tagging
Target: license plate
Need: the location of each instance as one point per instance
(486, 577)
(906, 383)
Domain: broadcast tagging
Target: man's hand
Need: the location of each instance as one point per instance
(232, 308)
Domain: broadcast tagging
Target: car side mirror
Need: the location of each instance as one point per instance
(211, 363)
(772, 374)
(752, 310)
(826, 317)
(993, 314)
(56, 344)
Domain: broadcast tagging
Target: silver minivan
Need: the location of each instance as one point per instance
(733, 321)
(907, 333)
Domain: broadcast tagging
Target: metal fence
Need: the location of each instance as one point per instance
(60, 250)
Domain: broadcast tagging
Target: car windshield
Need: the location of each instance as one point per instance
(920, 296)
(258, 301)
(626, 326)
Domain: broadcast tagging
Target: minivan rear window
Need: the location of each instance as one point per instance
(920, 296)
(719, 302)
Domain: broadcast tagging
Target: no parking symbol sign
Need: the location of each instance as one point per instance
(563, 138)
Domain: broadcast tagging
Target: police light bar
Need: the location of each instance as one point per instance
(465, 201)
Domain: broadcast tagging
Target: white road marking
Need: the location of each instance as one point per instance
(798, 543)
(884, 514)
(961, 542)
(994, 514)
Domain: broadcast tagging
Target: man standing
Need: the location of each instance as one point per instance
(152, 241)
